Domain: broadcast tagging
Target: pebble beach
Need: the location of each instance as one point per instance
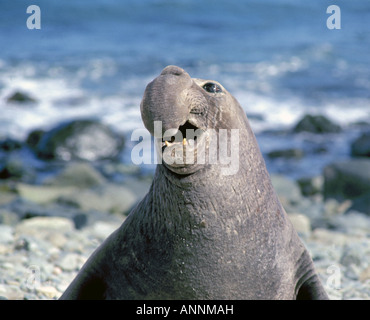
(47, 232)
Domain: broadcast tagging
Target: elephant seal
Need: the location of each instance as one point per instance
(201, 232)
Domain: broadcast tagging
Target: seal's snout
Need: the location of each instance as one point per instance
(165, 99)
(174, 70)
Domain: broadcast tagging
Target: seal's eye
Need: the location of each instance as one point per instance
(212, 87)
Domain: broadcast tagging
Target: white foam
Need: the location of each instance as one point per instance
(60, 97)
(286, 112)
(122, 110)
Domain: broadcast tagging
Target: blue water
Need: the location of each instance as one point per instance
(277, 57)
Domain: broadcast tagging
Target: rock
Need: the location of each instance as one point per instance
(70, 262)
(12, 169)
(8, 217)
(301, 223)
(80, 175)
(11, 292)
(80, 140)
(20, 97)
(287, 153)
(256, 116)
(6, 196)
(349, 179)
(102, 229)
(38, 226)
(333, 208)
(44, 194)
(316, 124)
(352, 223)
(34, 138)
(16, 167)
(350, 256)
(109, 198)
(9, 144)
(329, 237)
(287, 190)
(361, 146)
(57, 240)
(5, 249)
(310, 186)
(47, 291)
(22, 244)
(6, 234)
(365, 274)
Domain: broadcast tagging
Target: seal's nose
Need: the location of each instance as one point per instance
(165, 99)
(174, 70)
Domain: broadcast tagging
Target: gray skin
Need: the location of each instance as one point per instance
(200, 233)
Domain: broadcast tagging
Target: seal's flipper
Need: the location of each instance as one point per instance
(90, 289)
(312, 289)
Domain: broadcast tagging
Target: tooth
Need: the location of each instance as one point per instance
(184, 141)
(167, 143)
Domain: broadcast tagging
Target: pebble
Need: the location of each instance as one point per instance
(301, 223)
(365, 274)
(70, 262)
(6, 234)
(48, 292)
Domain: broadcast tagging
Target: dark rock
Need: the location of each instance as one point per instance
(288, 153)
(80, 140)
(80, 220)
(316, 124)
(349, 179)
(360, 124)
(12, 169)
(20, 97)
(34, 138)
(310, 186)
(16, 166)
(256, 116)
(361, 146)
(22, 244)
(10, 144)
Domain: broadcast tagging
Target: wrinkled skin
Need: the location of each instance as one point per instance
(200, 233)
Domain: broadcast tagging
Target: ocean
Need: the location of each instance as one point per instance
(277, 57)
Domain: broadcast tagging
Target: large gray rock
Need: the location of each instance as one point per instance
(349, 179)
(80, 140)
(80, 175)
(39, 226)
(109, 198)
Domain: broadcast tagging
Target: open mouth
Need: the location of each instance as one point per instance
(187, 134)
(183, 148)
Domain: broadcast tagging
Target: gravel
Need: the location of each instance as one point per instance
(41, 255)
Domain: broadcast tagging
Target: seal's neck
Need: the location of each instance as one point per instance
(249, 190)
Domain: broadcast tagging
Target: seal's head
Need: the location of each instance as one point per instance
(183, 114)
